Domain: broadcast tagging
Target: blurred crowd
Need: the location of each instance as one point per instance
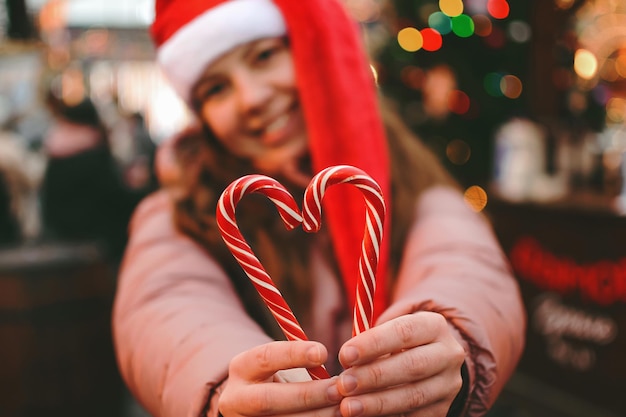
(79, 180)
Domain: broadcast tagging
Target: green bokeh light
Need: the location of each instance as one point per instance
(440, 22)
(492, 84)
(463, 26)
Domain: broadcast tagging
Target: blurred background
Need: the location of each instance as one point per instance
(523, 100)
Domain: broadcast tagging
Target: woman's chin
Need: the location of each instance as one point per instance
(295, 171)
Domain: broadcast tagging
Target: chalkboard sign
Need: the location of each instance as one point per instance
(571, 267)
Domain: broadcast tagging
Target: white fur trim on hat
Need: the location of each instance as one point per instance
(185, 55)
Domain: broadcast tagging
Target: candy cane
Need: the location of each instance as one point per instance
(289, 212)
(370, 249)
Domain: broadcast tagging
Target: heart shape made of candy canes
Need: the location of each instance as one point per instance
(310, 218)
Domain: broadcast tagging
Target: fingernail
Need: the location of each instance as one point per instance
(348, 383)
(333, 393)
(355, 408)
(314, 354)
(349, 355)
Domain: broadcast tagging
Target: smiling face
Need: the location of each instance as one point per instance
(249, 99)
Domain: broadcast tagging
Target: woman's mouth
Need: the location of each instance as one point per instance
(277, 124)
(280, 130)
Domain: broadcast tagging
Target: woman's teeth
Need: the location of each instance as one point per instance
(277, 124)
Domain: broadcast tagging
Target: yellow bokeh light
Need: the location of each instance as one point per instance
(410, 39)
(476, 198)
(451, 8)
(585, 64)
(616, 110)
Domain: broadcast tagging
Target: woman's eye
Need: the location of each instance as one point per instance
(266, 54)
(211, 90)
(269, 51)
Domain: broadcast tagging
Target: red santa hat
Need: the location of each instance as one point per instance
(336, 86)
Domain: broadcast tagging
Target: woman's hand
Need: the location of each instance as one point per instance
(271, 380)
(409, 365)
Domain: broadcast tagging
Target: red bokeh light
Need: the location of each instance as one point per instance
(498, 9)
(458, 102)
(432, 39)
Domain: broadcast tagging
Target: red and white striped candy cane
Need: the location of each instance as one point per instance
(372, 237)
(289, 212)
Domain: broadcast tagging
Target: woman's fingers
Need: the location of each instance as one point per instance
(409, 366)
(395, 335)
(411, 363)
(262, 362)
(431, 397)
(271, 380)
(278, 399)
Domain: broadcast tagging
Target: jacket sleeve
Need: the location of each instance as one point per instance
(174, 317)
(453, 265)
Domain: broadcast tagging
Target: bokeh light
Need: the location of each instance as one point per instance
(412, 77)
(482, 25)
(463, 26)
(498, 9)
(451, 8)
(410, 39)
(476, 198)
(458, 152)
(511, 86)
(496, 39)
(620, 66)
(585, 64)
(564, 4)
(608, 71)
(616, 110)
(519, 31)
(577, 102)
(491, 83)
(440, 22)
(458, 102)
(432, 39)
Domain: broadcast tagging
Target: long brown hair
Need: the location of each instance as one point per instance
(209, 168)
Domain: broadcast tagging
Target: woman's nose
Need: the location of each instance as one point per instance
(252, 93)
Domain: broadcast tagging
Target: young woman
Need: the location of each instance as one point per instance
(283, 88)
